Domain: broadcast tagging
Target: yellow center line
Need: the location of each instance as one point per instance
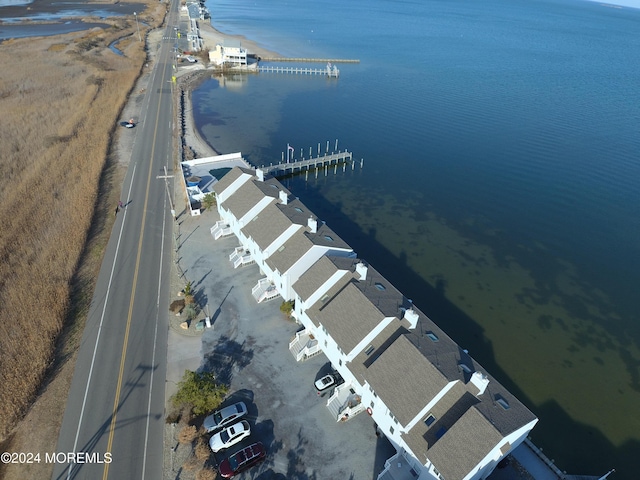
(125, 344)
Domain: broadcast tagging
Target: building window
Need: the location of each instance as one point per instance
(371, 404)
(340, 362)
(432, 336)
(502, 402)
(328, 237)
(325, 343)
(380, 286)
(298, 209)
(465, 368)
(369, 350)
(429, 420)
(391, 430)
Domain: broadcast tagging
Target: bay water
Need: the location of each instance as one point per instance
(499, 189)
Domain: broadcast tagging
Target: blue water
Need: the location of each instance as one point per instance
(499, 191)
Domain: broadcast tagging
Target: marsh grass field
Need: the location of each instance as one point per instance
(61, 99)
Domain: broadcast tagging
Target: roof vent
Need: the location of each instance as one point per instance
(411, 316)
(284, 198)
(312, 223)
(480, 381)
(361, 269)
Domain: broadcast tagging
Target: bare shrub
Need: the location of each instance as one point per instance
(187, 434)
(206, 474)
(192, 464)
(202, 450)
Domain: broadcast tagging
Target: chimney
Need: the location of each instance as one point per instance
(283, 197)
(411, 316)
(260, 175)
(480, 381)
(313, 225)
(361, 269)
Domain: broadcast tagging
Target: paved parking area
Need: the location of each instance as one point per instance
(247, 348)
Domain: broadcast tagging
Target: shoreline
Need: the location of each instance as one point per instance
(193, 138)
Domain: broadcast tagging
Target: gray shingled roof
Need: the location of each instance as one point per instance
(244, 199)
(291, 251)
(462, 447)
(404, 379)
(347, 315)
(311, 280)
(320, 272)
(268, 225)
(231, 176)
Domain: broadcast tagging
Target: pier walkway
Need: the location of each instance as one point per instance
(299, 59)
(314, 163)
(330, 70)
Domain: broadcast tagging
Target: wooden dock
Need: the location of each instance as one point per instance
(315, 163)
(306, 60)
(330, 71)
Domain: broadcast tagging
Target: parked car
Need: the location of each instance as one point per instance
(327, 382)
(224, 417)
(242, 460)
(128, 124)
(230, 436)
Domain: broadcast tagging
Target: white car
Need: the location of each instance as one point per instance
(229, 436)
(224, 417)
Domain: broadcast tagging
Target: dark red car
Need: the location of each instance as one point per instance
(242, 460)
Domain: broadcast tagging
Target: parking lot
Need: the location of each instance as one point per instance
(247, 348)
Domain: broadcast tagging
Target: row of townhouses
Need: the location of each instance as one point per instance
(446, 416)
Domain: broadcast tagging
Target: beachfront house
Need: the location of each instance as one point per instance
(446, 416)
(229, 54)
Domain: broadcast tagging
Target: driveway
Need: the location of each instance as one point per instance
(248, 348)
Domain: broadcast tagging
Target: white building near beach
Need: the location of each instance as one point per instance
(446, 416)
(229, 54)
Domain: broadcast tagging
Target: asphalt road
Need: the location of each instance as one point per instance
(113, 423)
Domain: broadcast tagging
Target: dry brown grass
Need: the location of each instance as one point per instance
(59, 111)
(187, 434)
(206, 474)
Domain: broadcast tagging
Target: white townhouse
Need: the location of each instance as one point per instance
(446, 416)
(275, 230)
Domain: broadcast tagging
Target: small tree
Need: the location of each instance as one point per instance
(209, 200)
(287, 307)
(199, 392)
